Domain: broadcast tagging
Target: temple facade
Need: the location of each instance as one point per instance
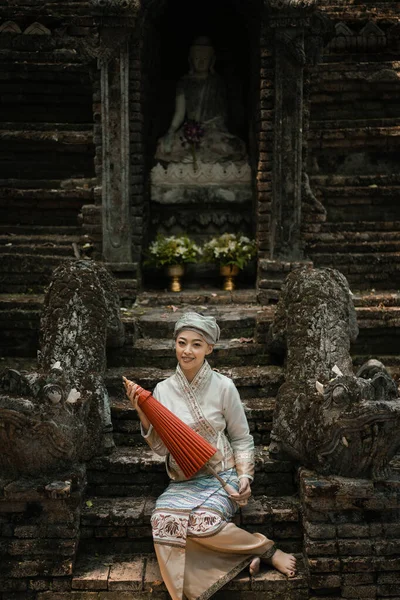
(88, 89)
(300, 105)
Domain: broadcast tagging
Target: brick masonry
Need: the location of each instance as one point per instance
(351, 535)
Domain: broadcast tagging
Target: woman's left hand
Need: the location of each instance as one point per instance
(241, 497)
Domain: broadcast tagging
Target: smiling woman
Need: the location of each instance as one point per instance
(198, 548)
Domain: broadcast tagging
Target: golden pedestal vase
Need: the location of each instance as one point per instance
(229, 272)
(175, 273)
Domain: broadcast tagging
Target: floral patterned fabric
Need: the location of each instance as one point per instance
(195, 507)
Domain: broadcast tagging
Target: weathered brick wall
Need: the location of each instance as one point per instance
(351, 536)
(46, 139)
(265, 141)
(90, 216)
(353, 145)
(39, 535)
(46, 146)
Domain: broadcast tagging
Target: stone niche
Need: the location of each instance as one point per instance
(199, 70)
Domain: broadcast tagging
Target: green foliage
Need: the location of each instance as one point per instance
(230, 249)
(173, 250)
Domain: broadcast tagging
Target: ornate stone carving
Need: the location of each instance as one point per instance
(204, 223)
(179, 183)
(326, 417)
(37, 29)
(292, 45)
(319, 34)
(205, 174)
(370, 37)
(10, 27)
(102, 48)
(61, 413)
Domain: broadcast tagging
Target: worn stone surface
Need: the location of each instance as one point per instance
(355, 558)
(61, 412)
(329, 432)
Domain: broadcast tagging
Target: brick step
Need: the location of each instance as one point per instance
(137, 576)
(50, 42)
(363, 270)
(43, 71)
(191, 298)
(44, 125)
(352, 246)
(132, 471)
(29, 265)
(61, 56)
(341, 235)
(44, 248)
(37, 240)
(158, 322)
(375, 181)
(126, 521)
(375, 137)
(41, 230)
(358, 226)
(126, 430)
(27, 273)
(350, 123)
(383, 299)
(43, 207)
(160, 353)
(58, 140)
(19, 319)
(359, 195)
(251, 381)
(50, 198)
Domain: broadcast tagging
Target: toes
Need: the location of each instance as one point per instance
(254, 567)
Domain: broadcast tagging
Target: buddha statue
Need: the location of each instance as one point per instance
(201, 97)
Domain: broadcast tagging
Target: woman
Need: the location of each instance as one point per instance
(198, 548)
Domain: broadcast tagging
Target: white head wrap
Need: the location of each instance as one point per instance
(206, 326)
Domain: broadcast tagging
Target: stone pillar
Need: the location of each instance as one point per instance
(116, 21)
(116, 219)
(288, 138)
(290, 26)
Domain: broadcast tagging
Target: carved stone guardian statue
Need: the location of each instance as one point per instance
(326, 417)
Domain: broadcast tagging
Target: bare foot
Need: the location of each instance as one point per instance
(254, 566)
(283, 562)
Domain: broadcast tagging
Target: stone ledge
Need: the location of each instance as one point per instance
(251, 381)
(137, 577)
(135, 511)
(128, 460)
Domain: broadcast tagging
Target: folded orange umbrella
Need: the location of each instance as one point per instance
(190, 450)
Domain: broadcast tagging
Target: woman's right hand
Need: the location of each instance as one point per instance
(131, 392)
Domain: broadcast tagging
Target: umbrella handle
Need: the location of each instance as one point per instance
(227, 487)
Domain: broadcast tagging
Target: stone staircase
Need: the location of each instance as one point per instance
(122, 488)
(115, 552)
(115, 557)
(46, 158)
(361, 235)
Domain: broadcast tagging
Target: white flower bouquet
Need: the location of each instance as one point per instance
(173, 250)
(230, 249)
